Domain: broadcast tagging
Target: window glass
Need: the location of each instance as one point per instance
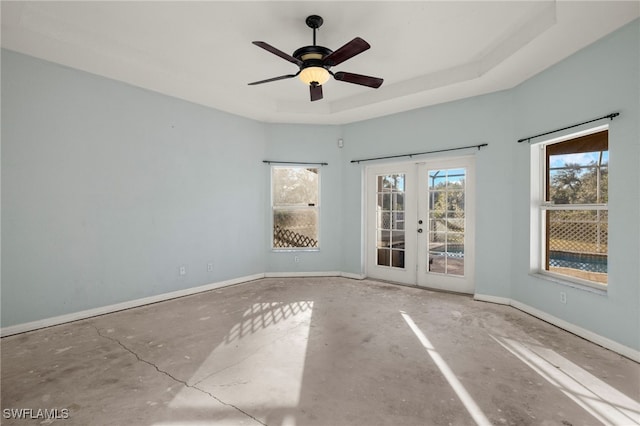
(295, 194)
(575, 213)
(295, 186)
(579, 178)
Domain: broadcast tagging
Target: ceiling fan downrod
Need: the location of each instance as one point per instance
(314, 22)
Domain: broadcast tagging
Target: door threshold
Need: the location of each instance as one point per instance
(437, 290)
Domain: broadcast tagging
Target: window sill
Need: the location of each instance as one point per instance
(569, 282)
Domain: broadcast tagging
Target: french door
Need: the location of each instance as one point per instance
(420, 221)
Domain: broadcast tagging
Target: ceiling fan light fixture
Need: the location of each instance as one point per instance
(315, 61)
(314, 74)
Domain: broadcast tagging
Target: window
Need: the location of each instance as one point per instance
(294, 201)
(573, 212)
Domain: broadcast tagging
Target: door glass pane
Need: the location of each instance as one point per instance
(398, 202)
(385, 220)
(397, 239)
(446, 196)
(384, 257)
(455, 265)
(397, 258)
(455, 178)
(384, 201)
(455, 225)
(437, 224)
(436, 180)
(390, 232)
(437, 200)
(437, 263)
(398, 220)
(384, 239)
(455, 200)
(437, 241)
(455, 239)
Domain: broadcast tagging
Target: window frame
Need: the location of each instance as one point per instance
(540, 208)
(294, 207)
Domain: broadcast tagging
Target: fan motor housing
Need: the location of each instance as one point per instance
(312, 56)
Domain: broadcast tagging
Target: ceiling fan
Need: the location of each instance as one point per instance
(315, 62)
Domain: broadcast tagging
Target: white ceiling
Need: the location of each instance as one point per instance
(428, 52)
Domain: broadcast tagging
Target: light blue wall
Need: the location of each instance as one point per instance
(107, 189)
(600, 79)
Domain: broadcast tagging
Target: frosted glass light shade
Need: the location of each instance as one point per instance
(317, 74)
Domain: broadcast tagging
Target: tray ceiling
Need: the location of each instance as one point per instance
(428, 52)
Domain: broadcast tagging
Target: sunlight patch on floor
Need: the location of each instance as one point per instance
(602, 401)
(258, 365)
(471, 406)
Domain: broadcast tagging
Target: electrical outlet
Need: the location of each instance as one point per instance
(209, 267)
(183, 270)
(563, 297)
(296, 259)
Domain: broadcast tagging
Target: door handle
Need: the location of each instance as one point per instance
(419, 230)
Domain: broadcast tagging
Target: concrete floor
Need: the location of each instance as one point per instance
(317, 351)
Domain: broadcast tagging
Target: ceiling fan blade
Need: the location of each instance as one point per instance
(316, 92)
(269, 80)
(349, 50)
(363, 80)
(277, 52)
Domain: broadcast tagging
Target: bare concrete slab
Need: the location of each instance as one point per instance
(315, 351)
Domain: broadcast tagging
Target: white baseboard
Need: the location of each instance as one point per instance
(315, 274)
(302, 274)
(565, 325)
(353, 276)
(579, 331)
(75, 316)
(492, 299)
